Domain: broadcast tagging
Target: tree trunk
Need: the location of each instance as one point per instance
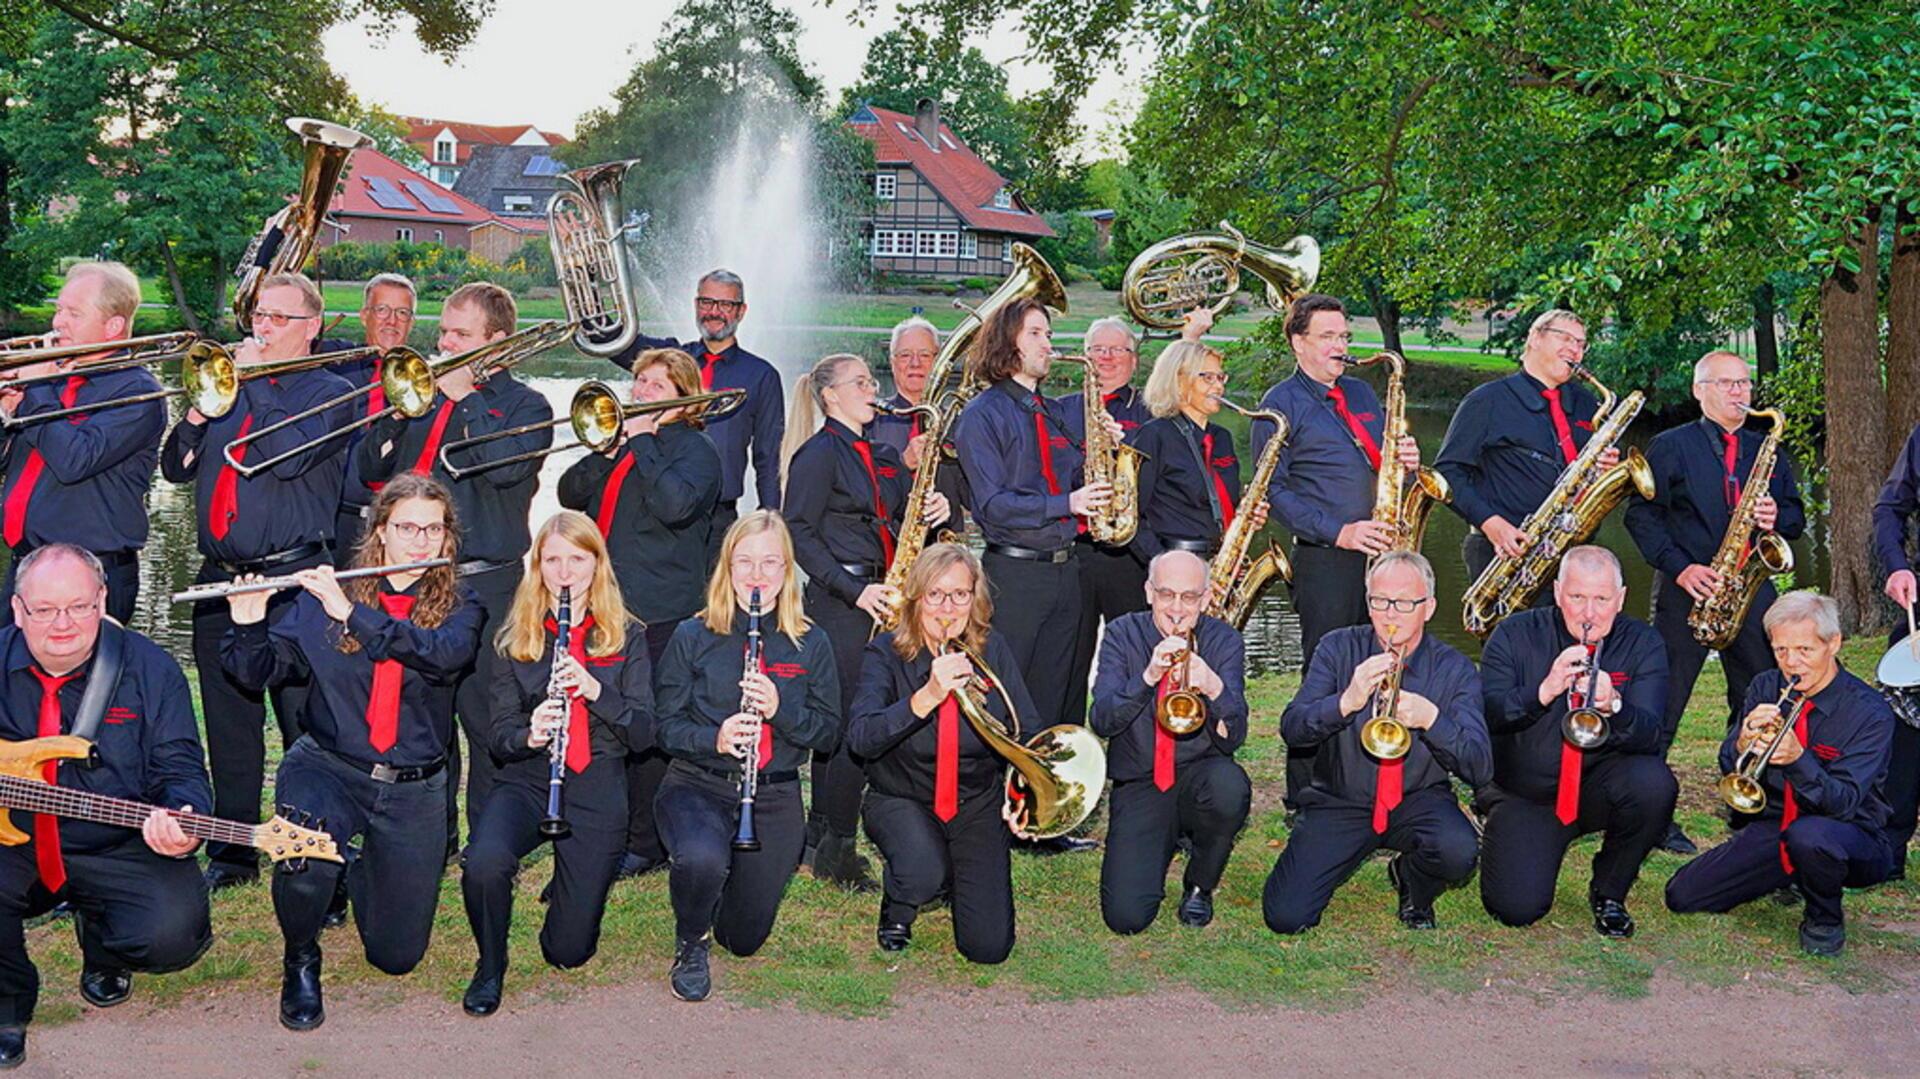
(1766, 338)
(1386, 311)
(179, 287)
(1856, 426)
(1903, 332)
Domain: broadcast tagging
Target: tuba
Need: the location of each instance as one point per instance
(1404, 507)
(1570, 514)
(1109, 461)
(288, 237)
(1744, 560)
(1202, 269)
(1233, 582)
(588, 238)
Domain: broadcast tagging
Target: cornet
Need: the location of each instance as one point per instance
(1181, 710)
(1383, 736)
(1741, 788)
(1586, 726)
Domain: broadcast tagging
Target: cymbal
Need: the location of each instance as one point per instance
(1900, 667)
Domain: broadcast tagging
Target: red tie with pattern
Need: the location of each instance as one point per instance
(1219, 482)
(579, 743)
(383, 698)
(1162, 741)
(1367, 445)
(865, 450)
(1562, 431)
(1790, 806)
(946, 760)
(22, 493)
(46, 826)
(424, 463)
(610, 494)
(706, 369)
(226, 488)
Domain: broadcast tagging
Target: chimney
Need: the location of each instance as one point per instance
(926, 120)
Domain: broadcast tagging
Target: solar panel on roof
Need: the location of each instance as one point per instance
(434, 200)
(387, 196)
(543, 165)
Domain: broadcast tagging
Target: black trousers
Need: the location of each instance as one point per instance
(1828, 856)
(839, 779)
(1329, 843)
(1477, 551)
(594, 805)
(1036, 607)
(123, 584)
(236, 719)
(472, 704)
(1207, 804)
(1629, 799)
(1329, 593)
(393, 879)
(647, 767)
(133, 910)
(1902, 787)
(714, 887)
(1113, 582)
(967, 857)
(1746, 657)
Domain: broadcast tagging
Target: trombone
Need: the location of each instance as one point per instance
(152, 348)
(598, 417)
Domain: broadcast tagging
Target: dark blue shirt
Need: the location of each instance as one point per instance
(1179, 499)
(698, 688)
(96, 467)
(1501, 454)
(900, 747)
(1894, 511)
(999, 448)
(1843, 771)
(1125, 405)
(1123, 704)
(829, 507)
(1324, 480)
(657, 538)
(354, 491)
(753, 430)
(895, 431)
(621, 718)
(1691, 508)
(1346, 774)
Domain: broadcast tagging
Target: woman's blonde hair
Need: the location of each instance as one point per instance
(681, 371)
(523, 634)
(789, 610)
(1166, 386)
(908, 640)
(437, 594)
(809, 407)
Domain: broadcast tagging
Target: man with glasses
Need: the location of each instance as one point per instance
(1358, 803)
(1166, 787)
(1700, 471)
(1322, 489)
(911, 352)
(275, 522)
(387, 306)
(1548, 791)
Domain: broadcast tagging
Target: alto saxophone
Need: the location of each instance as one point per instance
(1234, 582)
(1744, 560)
(1109, 461)
(1401, 506)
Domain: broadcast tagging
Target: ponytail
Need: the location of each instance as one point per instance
(809, 408)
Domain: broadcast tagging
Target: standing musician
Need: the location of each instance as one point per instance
(1897, 507)
(599, 692)
(84, 480)
(935, 804)
(493, 503)
(140, 903)
(910, 354)
(1823, 826)
(279, 521)
(1700, 470)
(383, 652)
(387, 305)
(1511, 438)
(1190, 477)
(1536, 665)
(711, 713)
(1323, 488)
(652, 497)
(1169, 787)
(1359, 802)
(843, 501)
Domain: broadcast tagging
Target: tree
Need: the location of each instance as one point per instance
(905, 65)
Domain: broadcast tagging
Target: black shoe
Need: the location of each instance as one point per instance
(816, 827)
(837, 861)
(13, 1047)
(300, 1004)
(1196, 907)
(637, 865)
(1065, 844)
(337, 906)
(1610, 919)
(690, 979)
(227, 875)
(103, 987)
(894, 936)
(1411, 916)
(1822, 940)
(483, 994)
(1676, 841)
(1789, 895)
(1899, 872)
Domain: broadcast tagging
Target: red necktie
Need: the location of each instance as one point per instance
(428, 452)
(1046, 444)
(383, 698)
(377, 400)
(706, 371)
(1566, 804)
(865, 450)
(946, 760)
(579, 743)
(1561, 430)
(1790, 807)
(610, 494)
(226, 488)
(1219, 483)
(1367, 445)
(765, 755)
(22, 493)
(1162, 741)
(1389, 786)
(1733, 461)
(46, 826)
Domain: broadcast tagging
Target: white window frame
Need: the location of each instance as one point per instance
(1006, 251)
(885, 186)
(1003, 199)
(926, 244)
(445, 151)
(892, 243)
(439, 236)
(403, 234)
(969, 245)
(516, 204)
(946, 244)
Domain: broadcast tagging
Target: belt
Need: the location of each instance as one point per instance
(1008, 550)
(1209, 548)
(278, 558)
(382, 772)
(867, 570)
(476, 567)
(786, 776)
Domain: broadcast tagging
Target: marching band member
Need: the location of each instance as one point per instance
(1699, 470)
(1537, 663)
(1170, 787)
(387, 304)
(279, 521)
(710, 714)
(911, 350)
(1893, 513)
(1323, 487)
(1823, 825)
(139, 900)
(85, 481)
(1357, 802)
(843, 502)
(652, 496)
(383, 653)
(493, 503)
(601, 693)
(1191, 477)
(935, 804)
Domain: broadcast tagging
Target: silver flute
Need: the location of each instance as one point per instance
(274, 584)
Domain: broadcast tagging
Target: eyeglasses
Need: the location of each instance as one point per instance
(79, 612)
(1401, 606)
(280, 318)
(775, 566)
(863, 382)
(1573, 339)
(1727, 385)
(1331, 338)
(1101, 352)
(407, 530)
(706, 303)
(1168, 595)
(1217, 378)
(959, 597)
(384, 311)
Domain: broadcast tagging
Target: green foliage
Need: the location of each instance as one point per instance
(435, 269)
(1076, 242)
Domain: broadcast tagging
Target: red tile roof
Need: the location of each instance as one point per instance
(369, 169)
(422, 129)
(956, 172)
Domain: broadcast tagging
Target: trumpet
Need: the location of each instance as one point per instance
(1383, 736)
(1585, 726)
(275, 584)
(1181, 710)
(744, 838)
(1741, 788)
(599, 419)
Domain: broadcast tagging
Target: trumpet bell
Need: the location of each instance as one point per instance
(1742, 793)
(1181, 712)
(596, 415)
(1059, 783)
(1386, 739)
(1585, 728)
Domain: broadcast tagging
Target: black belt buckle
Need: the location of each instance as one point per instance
(1029, 554)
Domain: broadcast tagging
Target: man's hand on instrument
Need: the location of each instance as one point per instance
(10, 398)
(1368, 535)
(1698, 581)
(1788, 751)
(1366, 678)
(165, 836)
(248, 351)
(545, 722)
(1205, 679)
(457, 383)
(248, 608)
(1416, 712)
(1766, 513)
(1759, 725)
(1567, 668)
(938, 510)
(1508, 541)
(1090, 499)
(916, 447)
(1407, 453)
(739, 735)
(1604, 693)
(323, 586)
(878, 601)
(1257, 513)
(1195, 324)
(1609, 457)
(1161, 661)
(1114, 430)
(1901, 587)
(571, 678)
(759, 695)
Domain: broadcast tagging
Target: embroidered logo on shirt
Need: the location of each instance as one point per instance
(1058, 442)
(785, 670)
(1584, 425)
(121, 715)
(886, 471)
(1620, 678)
(1225, 462)
(1825, 752)
(1364, 416)
(605, 661)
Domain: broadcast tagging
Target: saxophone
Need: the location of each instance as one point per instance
(1234, 582)
(1109, 461)
(1744, 560)
(1401, 506)
(1570, 514)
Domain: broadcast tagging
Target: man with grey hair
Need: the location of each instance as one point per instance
(388, 303)
(910, 354)
(1556, 780)
(1822, 828)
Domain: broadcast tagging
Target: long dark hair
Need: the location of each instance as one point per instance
(436, 596)
(995, 353)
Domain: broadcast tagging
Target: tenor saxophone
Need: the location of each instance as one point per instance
(1744, 560)
(1109, 461)
(1233, 581)
(1401, 506)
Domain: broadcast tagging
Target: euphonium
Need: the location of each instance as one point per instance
(284, 242)
(1109, 461)
(1182, 710)
(1585, 726)
(1744, 560)
(1741, 788)
(1383, 736)
(1401, 506)
(1202, 269)
(1570, 514)
(1234, 582)
(588, 236)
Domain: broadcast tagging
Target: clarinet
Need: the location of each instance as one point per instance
(554, 826)
(744, 838)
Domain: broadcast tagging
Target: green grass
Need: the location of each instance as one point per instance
(822, 954)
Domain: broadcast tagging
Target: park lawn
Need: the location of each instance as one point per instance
(822, 954)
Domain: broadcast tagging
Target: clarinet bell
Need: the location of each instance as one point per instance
(555, 827)
(744, 838)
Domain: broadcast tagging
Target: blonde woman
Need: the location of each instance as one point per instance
(1190, 481)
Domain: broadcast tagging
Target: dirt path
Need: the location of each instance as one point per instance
(635, 1029)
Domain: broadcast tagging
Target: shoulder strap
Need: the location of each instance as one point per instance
(109, 662)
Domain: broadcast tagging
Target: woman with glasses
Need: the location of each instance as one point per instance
(383, 652)
(936, 790)
(711, 713)
(1191, 478)
(843, 500)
